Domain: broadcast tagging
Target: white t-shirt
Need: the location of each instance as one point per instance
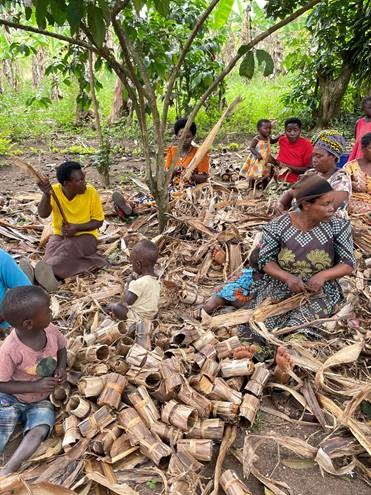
(147, 289)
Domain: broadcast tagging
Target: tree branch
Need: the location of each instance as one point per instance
(175, 71)
(61, 37)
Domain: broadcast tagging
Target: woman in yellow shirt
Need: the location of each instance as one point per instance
(72, 248)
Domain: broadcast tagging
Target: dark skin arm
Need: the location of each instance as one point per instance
(284, 202)
(120, 310)
(252, 148)
(315, 283)
(199, 178)
(60, 372)
(73, 228)
(294, 283)
(46, 385)
(296, 170)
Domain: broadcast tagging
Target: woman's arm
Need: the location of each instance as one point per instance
(284, 202)
(295, 284)
(252, 148)
(318, 280)
(73, 228)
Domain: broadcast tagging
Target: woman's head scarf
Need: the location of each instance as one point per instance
(331, 141)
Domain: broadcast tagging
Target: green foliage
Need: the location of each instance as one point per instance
(247, 67)
(5, 144)
(221, 13)
(102, 159)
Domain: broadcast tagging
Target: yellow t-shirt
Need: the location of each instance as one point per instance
(147, 289)
(81, 209)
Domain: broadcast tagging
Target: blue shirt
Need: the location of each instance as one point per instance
(10, 276)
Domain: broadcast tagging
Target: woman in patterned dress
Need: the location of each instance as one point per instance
(359, 172)
(306, 251)
(328, 147)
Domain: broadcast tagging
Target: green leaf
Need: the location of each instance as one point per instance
(264, 57)
(58, 10)
(162, 7)
(366, 408)
(96, 24)
(28, 12)
(243, 49)
(247, 66)
(138, 5)
(40, 12)
(221, 13)
(75, 12)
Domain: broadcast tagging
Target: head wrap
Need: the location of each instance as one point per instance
(310, 187)
(331, 141)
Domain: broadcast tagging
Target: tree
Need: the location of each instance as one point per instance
(339, 50)
(94, 19)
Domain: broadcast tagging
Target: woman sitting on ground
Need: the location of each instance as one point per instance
(305, 251)
(360, 175)
(72, 249)
(328, 147)
(127, 206)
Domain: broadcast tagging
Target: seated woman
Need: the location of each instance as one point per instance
(359, 172)
(306, 250)
(328, 147)
(72, 248)
(127, 206)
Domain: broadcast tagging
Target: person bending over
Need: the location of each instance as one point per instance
(32, 363)
(142, 293)
(72, 249)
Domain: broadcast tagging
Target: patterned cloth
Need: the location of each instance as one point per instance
(339, 181)
(238, 288)
(331, 141)
(360, 201)
(302, 254)
(13, 411)
(257, 169)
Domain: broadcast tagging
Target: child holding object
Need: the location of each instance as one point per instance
(257, 165)
(142, 294)
(32, 363)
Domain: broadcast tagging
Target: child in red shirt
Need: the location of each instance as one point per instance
(295, 152)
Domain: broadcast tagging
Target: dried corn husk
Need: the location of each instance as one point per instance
(121, 447)
(202, 384)
(140, 357)
(103, 442)
(114, 387)
(225, 348)
(189, 297)
(93, 353)
(179, 415)
(96, 422)
(249, 408)
(236, 382)
(207, 352)
(182, 463)
(124, 345)
(236, 367)
(144, 406)
(71, 432)
(221, 391)
(232, 485)
(166, 432)
(210, 368)
(118, 365)
(211, 429)
(258, 380)
(202, 450)
(156, 450)
(133, 424)
(172, 379)
(91, 386)
(206, 338)
(150, 379)
(108, 333)
(226, 410)
(143, 332)
(192, 398)
(78, 406)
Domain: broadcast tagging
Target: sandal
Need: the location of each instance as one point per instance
(45, 277)
(122, 207)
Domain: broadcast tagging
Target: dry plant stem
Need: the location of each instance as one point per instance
(228, 439)
(282, 331)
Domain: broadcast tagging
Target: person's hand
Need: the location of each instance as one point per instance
(295, 284)
(45, 186)
(279, 208)
(117, 311)
(70, 229)
(44, 385)
(315, 283)
(60, 374)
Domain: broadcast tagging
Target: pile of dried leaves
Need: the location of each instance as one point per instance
(155, 403)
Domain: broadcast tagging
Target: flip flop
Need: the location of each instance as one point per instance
(45, 277)
(121, 206)
(27, 269)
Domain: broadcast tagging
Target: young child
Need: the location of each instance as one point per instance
(363, 126)
(32, 363)
(236, 292)
(142, 294)
(257, 166)
(295, 152)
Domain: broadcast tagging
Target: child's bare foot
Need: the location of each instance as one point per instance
(245, 351)
(218, 255)
(213, 303)
(285, 364)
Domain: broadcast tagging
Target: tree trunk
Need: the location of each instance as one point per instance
(38, 67)
(120, 105)
(331, 95)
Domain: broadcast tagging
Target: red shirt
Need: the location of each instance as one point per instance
(297, 154)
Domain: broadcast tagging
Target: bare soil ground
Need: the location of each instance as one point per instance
(306, 478)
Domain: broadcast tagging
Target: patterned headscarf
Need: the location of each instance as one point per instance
(331, 141)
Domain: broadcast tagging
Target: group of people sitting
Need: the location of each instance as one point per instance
(306, 248)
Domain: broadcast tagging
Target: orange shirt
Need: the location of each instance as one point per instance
(202, 168)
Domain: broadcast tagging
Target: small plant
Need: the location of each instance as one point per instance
(259, 423)
(76, 149)
(233, 146)
(102, 161)
(5, 144)
(152, 484)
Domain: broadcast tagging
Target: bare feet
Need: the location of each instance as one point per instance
(213, 303)
(285, 364)
(245, 351)
(218, 255)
